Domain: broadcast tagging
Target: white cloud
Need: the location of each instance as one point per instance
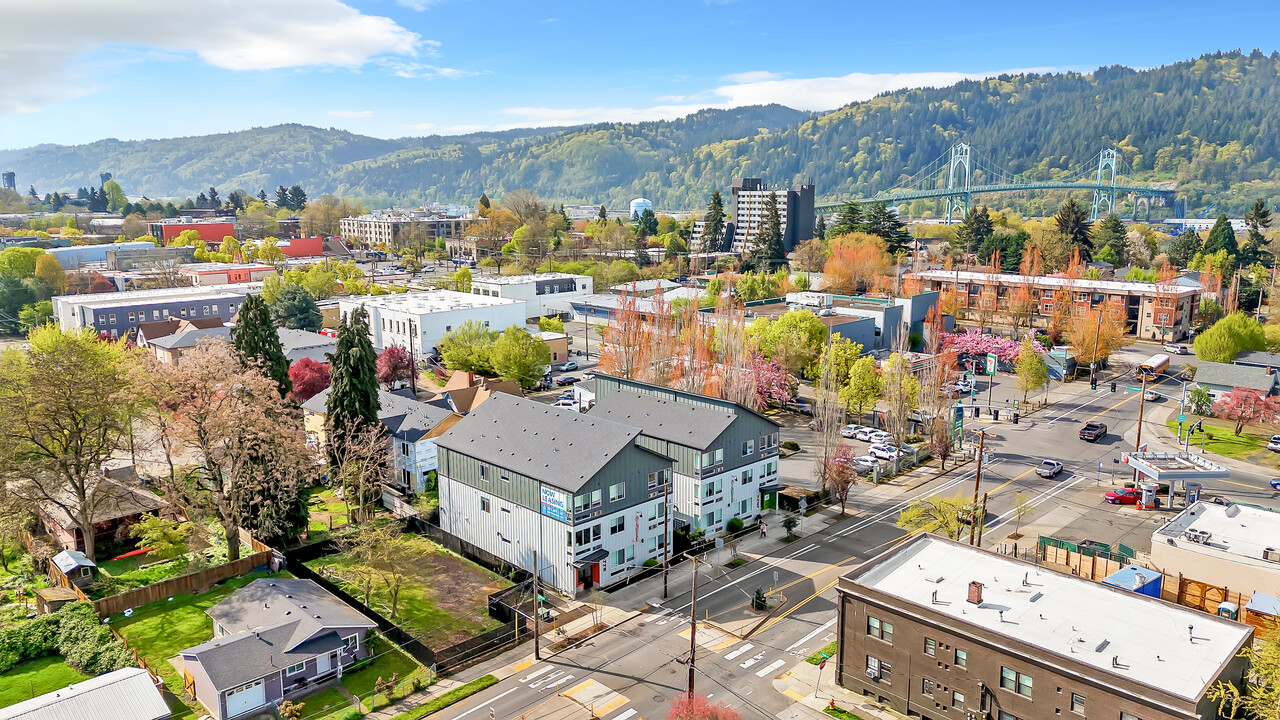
(237, 35)
(411, 69)
(753, 76)
(352, 114)
(418, 5)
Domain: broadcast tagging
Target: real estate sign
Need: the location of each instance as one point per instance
(555, 504)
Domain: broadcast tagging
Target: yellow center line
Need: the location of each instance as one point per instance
(1131, 397)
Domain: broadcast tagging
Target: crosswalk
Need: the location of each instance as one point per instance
(596, 697)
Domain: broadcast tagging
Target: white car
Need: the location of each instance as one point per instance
(885, 452)
(880, 437)
(566, 403)
(864, 434)
(849, 431)
(964, 386)
(1151, 396)
(1175, 349)
(1274, 444)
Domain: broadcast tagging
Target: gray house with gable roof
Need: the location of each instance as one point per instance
(272, 638)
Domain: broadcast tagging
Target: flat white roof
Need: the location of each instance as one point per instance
(1062, 614)
(221, 267)
(427, 302)
(162, 295)
(1234, 530)
(1111, 286)
(521, 279)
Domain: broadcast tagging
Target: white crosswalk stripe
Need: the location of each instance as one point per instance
(770, 668)
(733, 655)
(536, 673)
(628, 714)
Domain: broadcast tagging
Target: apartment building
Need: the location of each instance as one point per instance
(545, 294)
(1157, 311)
(119, 314)
(518, 477)
(938, 629)
(400, 228)
(418, 320)
(725, 455)
(747, 200)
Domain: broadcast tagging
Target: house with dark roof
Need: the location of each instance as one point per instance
(518, 477)
(272, 638)
(725, 455)
(117, 502)
(412, 425)
(1259, 359)
(1221, 378)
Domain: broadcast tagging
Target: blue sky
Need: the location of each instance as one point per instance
(81, 70)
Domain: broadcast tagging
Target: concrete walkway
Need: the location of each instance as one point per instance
(814, 689)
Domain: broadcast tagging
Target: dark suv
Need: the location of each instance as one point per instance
(1093, 432)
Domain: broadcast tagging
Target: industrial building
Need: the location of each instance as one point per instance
(545, 294)
(213, 230)
(938, 629)
(418, 320)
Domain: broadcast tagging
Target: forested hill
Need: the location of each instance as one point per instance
(1211, 124)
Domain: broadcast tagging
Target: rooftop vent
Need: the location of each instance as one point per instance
(975, 592)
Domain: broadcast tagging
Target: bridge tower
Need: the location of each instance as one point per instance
(963, 199)
(1105, 195)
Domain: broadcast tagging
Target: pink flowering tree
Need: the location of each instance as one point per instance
(971, 342)
(773, 384)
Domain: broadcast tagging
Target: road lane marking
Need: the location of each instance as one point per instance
(752, 660)
(770, 668)
(484, 704)
(628, 714)
(536, 673)
(1037, 501)
(775, 563)
(733, 655)
(520, 667)
(1086, 402)
(811, 635)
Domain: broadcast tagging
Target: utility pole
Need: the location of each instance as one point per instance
(666, 537)
(980, 523)
(693, 624)
(977, 483)
(537, 611)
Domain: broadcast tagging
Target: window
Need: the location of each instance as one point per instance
(1015, 681)
(617, 491)
(1126, 716)
(620, 558)
(350, 642)
(166, 313)
(926, 686)
(215, 308)
(1077, 703)
(877, 628)
(746, 477)
(295, 669)
(206, 310)
(962, 658)
(131, 317)
(595, 498)
(930, 647)
(404, 448)
(112, 318)
(1006, 716)
(484, 504)
(505, 479)
(957, 700)
(748, 447)
(583, 536)
(744, 507)
(482, 475)
(618, 525)
(85, 572)
(595, 532)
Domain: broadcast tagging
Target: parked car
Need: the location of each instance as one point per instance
(880, 437)
(1124, 496)
(568, 366)
(964, 386)
(567, 380)
(1176, 349)
(1049, 469)
(1274, 443)
(885, 452)
(866, 461)
(565, 403)
(864, 434)
(848, 431)
(1151, 396)
(1093, 431)
(589, 375)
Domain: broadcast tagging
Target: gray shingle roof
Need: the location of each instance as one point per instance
(189, 338)
(1234, 376)
(268, 602)
(405, 418)
(298, 344)
(1258, 358)
(685, 424)
(233, 660)
(556, 446)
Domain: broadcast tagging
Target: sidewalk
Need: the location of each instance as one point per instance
(813, 689)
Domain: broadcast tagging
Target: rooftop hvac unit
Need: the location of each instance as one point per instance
(1271, 554)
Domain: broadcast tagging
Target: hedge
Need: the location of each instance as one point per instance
(74, 632)
(455, 695)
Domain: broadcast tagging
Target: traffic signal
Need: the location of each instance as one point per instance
(1093, 383)
(1113, 386)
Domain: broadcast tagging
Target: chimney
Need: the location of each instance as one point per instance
(471, 378)
(975, 592)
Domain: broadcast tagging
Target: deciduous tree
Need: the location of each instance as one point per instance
(1030, 367)
(1229, 336)
(1102, 326)
(167, 539)
(839, 475)
(934, 514)
(468, 348)
(864, 388)
(1245, 406)
(394, 365)
(519, 357)
(699, 707)
(309, 377)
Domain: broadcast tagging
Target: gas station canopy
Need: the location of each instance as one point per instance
(1168, 467)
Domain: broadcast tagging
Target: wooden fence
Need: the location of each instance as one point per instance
(1090, 567)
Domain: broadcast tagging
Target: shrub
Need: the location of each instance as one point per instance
(734, 525)
(651, 562)
(28, 640)
(759, 601)
(87, 645)
(790, 445)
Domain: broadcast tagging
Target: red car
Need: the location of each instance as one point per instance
(1127, 496)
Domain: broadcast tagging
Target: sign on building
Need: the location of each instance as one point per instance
(555, 504)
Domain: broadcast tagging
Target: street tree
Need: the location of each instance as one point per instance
(934, 514)
(1227, 337)
(394, 366)
(519, 357)
(901, 395)
(1022, 509)
(864, 388)
(1030, 368)
(66, 406)
(839, 475)
(255, 337)
(698, 707)
(468, 348)
(1245, 406)
(1072, 224)
(309, 378)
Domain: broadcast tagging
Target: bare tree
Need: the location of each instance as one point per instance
(733, 348)
(524, 205)
(361, 467)
(839, 475)
(829, 414)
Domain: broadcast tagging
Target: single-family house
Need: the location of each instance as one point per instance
(156, 329)
(1221, 378)
(116, 504)
(1259, 359)
(124, 694)
(271, 639)
(466, 391)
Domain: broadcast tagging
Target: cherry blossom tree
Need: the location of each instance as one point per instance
(773, 384)
(972, 342)
(394, 365)
(309, 379)
(699, 707)
(1246, 406)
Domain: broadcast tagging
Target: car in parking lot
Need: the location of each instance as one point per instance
(568, 366)
(879, 437)
(565, 403)
(589, 375)
(1049, 469)
(849, 431)
(1274, 443)
(1123, 496)
(567, 380)
(864, 434)
(1176, 349)
(1093, 431)
(885, 452)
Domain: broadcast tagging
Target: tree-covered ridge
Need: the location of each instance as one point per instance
(1209, 124)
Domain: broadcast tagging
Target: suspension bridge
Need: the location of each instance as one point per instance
(962, 172)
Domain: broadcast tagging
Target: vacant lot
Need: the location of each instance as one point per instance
(443, 597)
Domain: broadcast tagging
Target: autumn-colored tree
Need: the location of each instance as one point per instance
(394, 365)
(1102, 326)
(935, 402)
(1245, 406)
(625, 340)
(1022, 303)
(856, 260)
(698, 707)
(773, 384)
(309, 378)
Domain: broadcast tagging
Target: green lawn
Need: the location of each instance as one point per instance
(389, 661)
(1248, 446)
(841, 713)
(453, 696)
(330, 703)
(816, 658)
(36, 677)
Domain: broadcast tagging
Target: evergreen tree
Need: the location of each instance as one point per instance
(1258, 219)
(602, 215)
(1221, 237)
(262, 195)
(820, 228)
(647, 225)
(1073, 225)
(882, 222)
(202, 201)
(272, 511)
(255, 336)
(1184, 247)
(770, 252)
(214, 201)
(975, 229)
(1110, 234)
(484, 201)
(713, 229)
(848, 220)
(295, 309)
(297, 198)
(282, 196)
(353, 369)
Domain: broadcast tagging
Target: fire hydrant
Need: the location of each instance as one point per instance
(832, 704)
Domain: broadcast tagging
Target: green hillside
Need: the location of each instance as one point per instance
(1210, 124)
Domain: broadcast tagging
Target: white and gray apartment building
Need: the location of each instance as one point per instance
(725, 455)
(394, 227)
(427, 316)
(585, 493)
(545, 294)
(747, 200)
(119, 313)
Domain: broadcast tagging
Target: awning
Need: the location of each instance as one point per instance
(594, 556)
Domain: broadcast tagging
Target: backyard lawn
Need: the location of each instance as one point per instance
(1248, 446)
(208, 548)
(36, 677)
(443, 599)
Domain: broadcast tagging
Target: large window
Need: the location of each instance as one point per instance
(962, 658)
(930, 647)
(618, 525)
(1077, 703)
(880, 629)
(1015, 681)
(295, 669)
(878, 669)
(617, 491)
(957, 700)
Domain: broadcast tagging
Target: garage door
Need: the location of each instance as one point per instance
(246, 698)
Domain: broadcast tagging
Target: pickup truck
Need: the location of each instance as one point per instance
(1093, 432)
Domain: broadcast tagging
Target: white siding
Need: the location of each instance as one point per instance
(690, 503)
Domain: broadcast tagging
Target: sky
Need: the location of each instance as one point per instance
(75, 71)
